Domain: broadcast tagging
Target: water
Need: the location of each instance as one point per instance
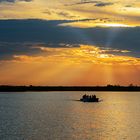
(58, 116)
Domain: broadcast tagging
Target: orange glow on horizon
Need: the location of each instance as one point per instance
(86, 65)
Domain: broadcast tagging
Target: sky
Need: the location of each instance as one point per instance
(69, 42)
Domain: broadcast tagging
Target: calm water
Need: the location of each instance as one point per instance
(57, 116)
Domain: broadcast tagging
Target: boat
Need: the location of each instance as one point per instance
(89, 98)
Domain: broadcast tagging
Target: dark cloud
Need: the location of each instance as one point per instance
(128, 6)
(82, 2)
(19, 37)
(96, 3)
(14, 0)
(102, 4)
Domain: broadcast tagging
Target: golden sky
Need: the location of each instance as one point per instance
(85, 65)
(104, 11)
(88, 42)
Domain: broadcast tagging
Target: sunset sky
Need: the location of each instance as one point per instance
(69, 42)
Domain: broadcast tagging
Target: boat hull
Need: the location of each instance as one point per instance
(88, 100)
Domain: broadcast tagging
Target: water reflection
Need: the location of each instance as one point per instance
(56, 115)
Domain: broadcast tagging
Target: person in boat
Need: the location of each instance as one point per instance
(89, 98)
(84, 96)
(93, 96)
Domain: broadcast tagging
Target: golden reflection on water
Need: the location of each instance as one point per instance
(57, 115)
(112, 119)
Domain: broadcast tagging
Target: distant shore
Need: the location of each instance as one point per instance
(6, 88)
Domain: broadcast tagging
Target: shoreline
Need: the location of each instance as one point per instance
(5, 88)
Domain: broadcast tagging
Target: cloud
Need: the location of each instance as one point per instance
(65, 14)
(14, 0)
(18, 37)
(82, 54)
(128, 6)
(26, 58)
(83, 2)
(60, 13)
(96, 3)
(102, 4)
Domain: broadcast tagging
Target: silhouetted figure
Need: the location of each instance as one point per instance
(89, 98)
(94, 96)
(84, 96)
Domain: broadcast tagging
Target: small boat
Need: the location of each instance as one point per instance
(89, 98)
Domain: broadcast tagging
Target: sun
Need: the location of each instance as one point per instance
(114, 25)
